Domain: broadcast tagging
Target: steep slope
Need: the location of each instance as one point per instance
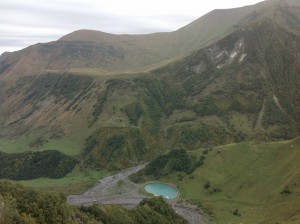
(252, 72)
(234, 83)
(241, 87)
(101, 53)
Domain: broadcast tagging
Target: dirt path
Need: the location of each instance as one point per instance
(118, 189)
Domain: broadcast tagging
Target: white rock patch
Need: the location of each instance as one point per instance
(242, 57)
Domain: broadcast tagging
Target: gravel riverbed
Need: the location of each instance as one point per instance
(118, 189)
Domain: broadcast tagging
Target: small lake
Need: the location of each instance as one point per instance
(160, 189)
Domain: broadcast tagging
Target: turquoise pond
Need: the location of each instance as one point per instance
(160, 189)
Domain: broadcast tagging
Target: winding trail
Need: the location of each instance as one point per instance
(119, 190)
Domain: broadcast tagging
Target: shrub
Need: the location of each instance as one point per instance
(286, 190)
(236, 212)
(207, 185)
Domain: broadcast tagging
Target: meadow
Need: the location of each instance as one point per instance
(247, 182)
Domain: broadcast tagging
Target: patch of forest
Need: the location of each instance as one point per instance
(32, 165)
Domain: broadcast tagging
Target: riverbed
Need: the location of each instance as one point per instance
(119, 190)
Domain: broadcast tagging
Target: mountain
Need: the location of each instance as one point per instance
(95, 52)
(112, 101)
(233, 76)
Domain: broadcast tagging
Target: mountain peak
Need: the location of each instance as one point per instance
(89, 36)
(111, 53)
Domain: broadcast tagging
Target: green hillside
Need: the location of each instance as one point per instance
(213, 106)
(244, 183)
(240, 88)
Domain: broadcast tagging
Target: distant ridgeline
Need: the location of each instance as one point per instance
(32, 165)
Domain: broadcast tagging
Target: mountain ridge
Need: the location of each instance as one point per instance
(238, 84)
(122, 53)
(232, 80)
(197, 101)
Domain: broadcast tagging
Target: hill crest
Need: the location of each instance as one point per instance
(97, 52)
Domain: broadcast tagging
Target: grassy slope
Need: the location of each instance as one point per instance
(251, 177)
(74, 183)
(192, 88)
(69, 145)
(122, 95)
(221, 102)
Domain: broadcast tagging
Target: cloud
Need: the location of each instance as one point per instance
(23, 23)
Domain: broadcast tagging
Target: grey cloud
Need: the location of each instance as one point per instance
(42, 21)
(73, 18)
(20, 41)
(10, 42)
(66, 15)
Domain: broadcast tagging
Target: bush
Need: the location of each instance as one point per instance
(286, 190)
(205, 151)
(207, 185)
(236, 212)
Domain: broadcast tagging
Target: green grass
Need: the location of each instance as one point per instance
(70, 145)
(74, 183)
(67, 146)
(13, 146)
(242, 123)
(250, 178)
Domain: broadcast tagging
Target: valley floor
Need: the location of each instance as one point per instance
(118, 189)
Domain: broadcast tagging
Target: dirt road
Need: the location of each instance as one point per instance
(118, 189)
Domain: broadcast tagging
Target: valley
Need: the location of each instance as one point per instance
(119, 190)
(212, 108)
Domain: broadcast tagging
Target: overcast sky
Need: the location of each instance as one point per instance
(26, 22)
